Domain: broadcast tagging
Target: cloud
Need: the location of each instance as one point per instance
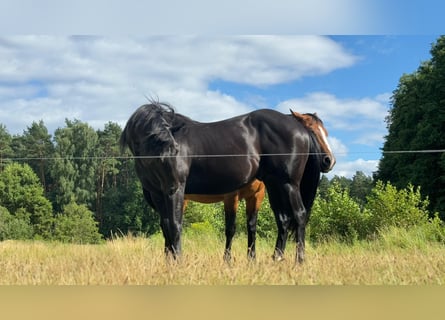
(339, 112)
(359, 121)
(349, 168)
(101, 79)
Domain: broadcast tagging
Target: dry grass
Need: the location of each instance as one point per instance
(141, 261)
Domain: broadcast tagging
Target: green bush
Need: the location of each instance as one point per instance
(201, 228)
(211, 214)
(266, 226)
(338, 216)
(399, 208)
(22, 194)
(76, 225)
(16, 227)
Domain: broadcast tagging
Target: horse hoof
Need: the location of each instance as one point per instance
(278, 258)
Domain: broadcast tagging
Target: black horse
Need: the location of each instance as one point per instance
(175, 155)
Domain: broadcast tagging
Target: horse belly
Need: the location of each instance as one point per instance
(219, 176)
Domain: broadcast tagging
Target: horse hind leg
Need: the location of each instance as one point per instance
(289, 210)
(252, 217)
(282, 220)
(253, 205)
(299, 213)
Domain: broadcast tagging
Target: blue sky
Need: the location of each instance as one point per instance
(204, 60)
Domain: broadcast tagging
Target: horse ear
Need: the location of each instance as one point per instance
(303, 118)
(297, 115)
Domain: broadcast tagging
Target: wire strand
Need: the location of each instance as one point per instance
(218, 155)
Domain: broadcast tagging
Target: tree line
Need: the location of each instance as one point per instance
(77, 186)
(77, 178)
(416, 122)
(77, 166)
(79, 175)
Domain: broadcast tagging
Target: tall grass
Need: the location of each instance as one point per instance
(140, 261)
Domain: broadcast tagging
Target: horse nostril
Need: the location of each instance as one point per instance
(326, 161)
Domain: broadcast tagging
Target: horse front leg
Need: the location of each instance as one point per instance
(230, 208)
(171, 222)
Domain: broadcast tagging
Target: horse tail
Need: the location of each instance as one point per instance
(147, 132)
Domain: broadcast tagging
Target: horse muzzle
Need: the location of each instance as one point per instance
(327, 163)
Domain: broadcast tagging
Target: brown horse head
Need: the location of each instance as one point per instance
(314, 123)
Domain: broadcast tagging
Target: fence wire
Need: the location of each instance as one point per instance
(127, 157)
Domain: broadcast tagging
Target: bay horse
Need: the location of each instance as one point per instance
(175, 155)
(253, 193)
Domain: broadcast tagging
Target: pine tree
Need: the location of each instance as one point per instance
(416, 122)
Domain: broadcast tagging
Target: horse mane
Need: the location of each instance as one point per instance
(148, 131)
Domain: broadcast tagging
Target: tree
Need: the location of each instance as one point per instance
(5, 145)
(17, 227)
(75, 164)
(416, 122)
(361, 186)
(22, 195)
(76, 224)
(36, 147)
(108, 164)
(323, 186)
(126, 211)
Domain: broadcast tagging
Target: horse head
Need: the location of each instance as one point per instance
(312, 122)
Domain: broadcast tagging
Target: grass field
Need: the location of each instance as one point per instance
(140, 261)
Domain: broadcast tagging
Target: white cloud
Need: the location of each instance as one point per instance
(338, 148)
(349, 168)
(101, 79)
(358, 125)
(339, 112)
(361, 121)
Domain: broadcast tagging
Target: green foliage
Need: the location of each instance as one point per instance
(17, 227)
(389, 214)
(5, 145)
(266, 225)
(76, 225)
(109, 166)
(126, 211)
(206, 217)
(22, 194)
(36, 145)
(75, 164)
(201, 228)
(211, 217)
(415, 122)
(338, 216)
(360, 187)
(399, 208)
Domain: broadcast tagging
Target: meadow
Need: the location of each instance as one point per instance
(394, 259)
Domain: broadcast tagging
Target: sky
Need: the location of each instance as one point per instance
(104, 74)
